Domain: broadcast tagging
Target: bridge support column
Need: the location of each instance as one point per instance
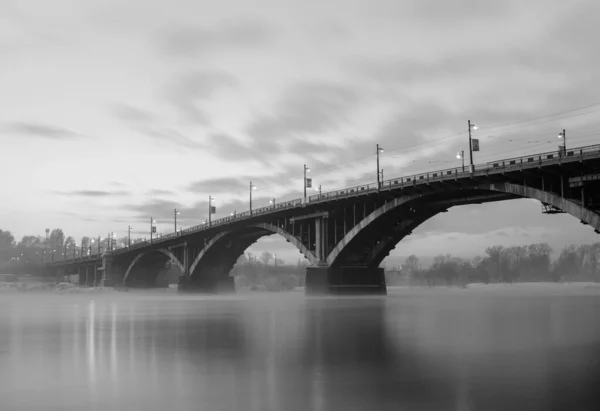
(345, 280)
(112, 273)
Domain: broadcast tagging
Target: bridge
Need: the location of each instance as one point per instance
(346, 234)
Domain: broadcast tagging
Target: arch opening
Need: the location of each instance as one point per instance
(150, 269)
(214, 266)
(369, 245)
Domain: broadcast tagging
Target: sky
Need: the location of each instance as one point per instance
(114, 112)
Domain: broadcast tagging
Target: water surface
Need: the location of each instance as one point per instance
(495, 348)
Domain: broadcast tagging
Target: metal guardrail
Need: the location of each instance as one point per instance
(510, 164)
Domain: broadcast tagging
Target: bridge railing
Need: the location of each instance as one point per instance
(457, 172)
(546, 158)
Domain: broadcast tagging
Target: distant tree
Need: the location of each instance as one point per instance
(495, 254)
(7, 240)
(86, 242)
(57, 238)
(266, 257)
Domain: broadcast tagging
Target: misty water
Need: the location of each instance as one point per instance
(483, 348)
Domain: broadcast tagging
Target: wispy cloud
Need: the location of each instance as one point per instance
(44, 131)
(195, 41)
(187, 92)
(129, 113)
(92, 193)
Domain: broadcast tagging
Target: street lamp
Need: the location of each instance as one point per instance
(211, 210)
(461, 155)
(129, 236)
(318, 189)
(152, 228)
(252, 187)
(563, 136)
(307, 182)
(272, 201)
(379, 150)
(175, 214)
(472, 127)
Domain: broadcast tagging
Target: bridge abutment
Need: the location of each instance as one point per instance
(345, 280)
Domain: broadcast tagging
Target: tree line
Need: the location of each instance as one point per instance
(33, 250)
(530, 263)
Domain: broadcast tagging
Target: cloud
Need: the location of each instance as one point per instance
(219, 185)
(93, 193)
(160, 192)
(128, 113)
(195, 41)
(42, 131)
(188, 91)
(312, 108)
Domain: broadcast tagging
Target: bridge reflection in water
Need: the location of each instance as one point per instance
(417, 349)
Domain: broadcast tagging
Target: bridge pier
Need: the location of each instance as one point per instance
(206, 284)
(345, 280)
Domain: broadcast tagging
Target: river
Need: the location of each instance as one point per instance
(520, 347)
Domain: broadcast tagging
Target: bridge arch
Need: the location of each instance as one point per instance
(138, 257)
(230, 245)
(389, 236)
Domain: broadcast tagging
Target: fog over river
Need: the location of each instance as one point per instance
(518, 347)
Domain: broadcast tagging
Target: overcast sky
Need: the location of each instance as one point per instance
(113, 112)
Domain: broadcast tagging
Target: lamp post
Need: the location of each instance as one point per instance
(152, 228)
(175, 214)
(472, 126)
(252, 187)
(306, 170)
(461, 155)
(211, 210)
(272, 201)
(129, 236)
(563, 136)
(379, 150)
(318, 189)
